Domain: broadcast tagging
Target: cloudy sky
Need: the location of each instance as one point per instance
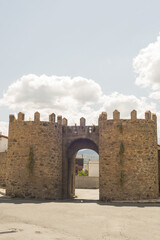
(79, 58)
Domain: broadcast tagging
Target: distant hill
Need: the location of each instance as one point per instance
(88, 154)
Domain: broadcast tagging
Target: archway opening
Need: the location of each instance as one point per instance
(87, 174)
(89, 149)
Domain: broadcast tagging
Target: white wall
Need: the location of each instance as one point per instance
(93, 168)
(3, 144)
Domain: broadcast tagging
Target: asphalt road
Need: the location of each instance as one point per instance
(82, 218)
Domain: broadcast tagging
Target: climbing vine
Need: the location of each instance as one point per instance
(121, 161)
(30, 164)
(121, 177)
(121, 152)
(121, 128)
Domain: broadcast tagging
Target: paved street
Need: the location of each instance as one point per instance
(78, 219)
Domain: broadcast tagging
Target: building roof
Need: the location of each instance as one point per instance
(79, 158)
(2, 136)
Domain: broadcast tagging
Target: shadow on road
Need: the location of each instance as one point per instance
(5, 199)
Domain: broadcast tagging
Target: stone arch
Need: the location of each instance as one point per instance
(74, 147)
(81, 143)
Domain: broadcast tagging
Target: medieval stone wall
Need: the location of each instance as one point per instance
(34, 167)
(41, 156)
(3, 161)
(76, 138)
(159, 167)
(128, 157)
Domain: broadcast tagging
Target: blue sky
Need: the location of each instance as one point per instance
(79, 58)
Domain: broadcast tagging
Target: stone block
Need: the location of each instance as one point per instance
(148, 115)
(52, 117)
(37, 117)
(21, 116)
(116, 115)
(134, 115)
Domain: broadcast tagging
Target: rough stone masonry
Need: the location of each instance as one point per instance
(41, 156)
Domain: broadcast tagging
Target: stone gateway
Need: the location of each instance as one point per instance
(41, 156)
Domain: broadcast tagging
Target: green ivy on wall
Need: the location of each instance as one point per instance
(121, 128)
(121, 177)
(30, 164)
(121, 152)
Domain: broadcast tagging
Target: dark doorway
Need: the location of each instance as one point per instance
(87, 177)
(73, 149)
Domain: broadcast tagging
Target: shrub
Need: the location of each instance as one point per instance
(83, 173)
(30, 163)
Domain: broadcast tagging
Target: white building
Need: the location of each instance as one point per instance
(3, 143)
(93, 168)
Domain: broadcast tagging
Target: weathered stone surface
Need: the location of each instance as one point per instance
(52, 117)
(128, 159)
(148, 115)
(37, 117)
(59, 119)
(64, 122)
(21, 116)
(40, 177)
(74, 139)
(134, 115)
(11, 118)
(103, 116)
(3, 162)
(116, 115)
(82, 122)
(41, 157)
(159, 167)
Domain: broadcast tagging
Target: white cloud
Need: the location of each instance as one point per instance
(71, 97)
(155, 95)
(147, 65)
(58, 93)
(126, 103)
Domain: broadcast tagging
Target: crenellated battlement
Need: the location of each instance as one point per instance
(52, 118)
(102, 117)
(116, 116)
(41, 155)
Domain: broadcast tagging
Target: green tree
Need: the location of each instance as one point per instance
(83, 173)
